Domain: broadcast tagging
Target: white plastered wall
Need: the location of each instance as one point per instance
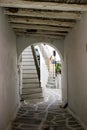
(75, 68)
(9, 99)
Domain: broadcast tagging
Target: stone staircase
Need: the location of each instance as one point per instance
(51, 80)
(51, 83)
(31, 89)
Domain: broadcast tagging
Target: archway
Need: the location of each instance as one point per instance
(35, 45)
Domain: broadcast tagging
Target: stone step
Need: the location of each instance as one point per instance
(28, 67)
(29, 75)
(32, 96)
(50, 82)
(28, 63)
(34, 101)
(30, 85)
(27, 56)
(31, 90)
(30, 80)
(29, 72)
(27, 60)
(51, 77)
(50, 86)
(27, 50)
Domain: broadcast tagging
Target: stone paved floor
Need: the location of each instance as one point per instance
(45, 116)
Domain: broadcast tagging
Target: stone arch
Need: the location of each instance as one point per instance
(25, 41)
(58, 44)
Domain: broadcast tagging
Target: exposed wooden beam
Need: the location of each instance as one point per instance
(40, 21)
(40, 32)
(44, 14)
(41, 35)
(42, 5)
(40, 27)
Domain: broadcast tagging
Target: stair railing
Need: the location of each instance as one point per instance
(36, 62)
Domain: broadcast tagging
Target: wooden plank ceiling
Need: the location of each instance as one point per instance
(48, 18)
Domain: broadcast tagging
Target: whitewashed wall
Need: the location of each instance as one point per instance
(75, 68)
(9, 99)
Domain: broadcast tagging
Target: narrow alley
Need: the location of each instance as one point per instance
(43, 64)
(47, 115)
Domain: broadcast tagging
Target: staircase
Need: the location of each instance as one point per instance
(31, 89)
(51, 83)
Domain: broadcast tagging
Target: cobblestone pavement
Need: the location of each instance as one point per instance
(45, 116)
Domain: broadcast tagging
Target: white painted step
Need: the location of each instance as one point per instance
(27, 60)
(28, 67)
(27, 52)
(34, 101)
(32, 96)
(29, 75)
(27, 56)
(25, 80)
(31, 91)
(30, 85)
(50, 86)
(29, 71)
(53, 83)
(51, 80)
(28, 63)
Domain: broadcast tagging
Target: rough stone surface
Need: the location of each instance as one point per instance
(45, 116)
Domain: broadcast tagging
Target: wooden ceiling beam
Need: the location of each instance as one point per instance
(43, 14)
(40, 21)
(40, 27)
(42, 5)
(40, 32)
(40, 35)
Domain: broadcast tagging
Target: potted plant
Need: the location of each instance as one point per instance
(58, 68)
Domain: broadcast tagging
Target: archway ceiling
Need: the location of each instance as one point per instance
(48, 18)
